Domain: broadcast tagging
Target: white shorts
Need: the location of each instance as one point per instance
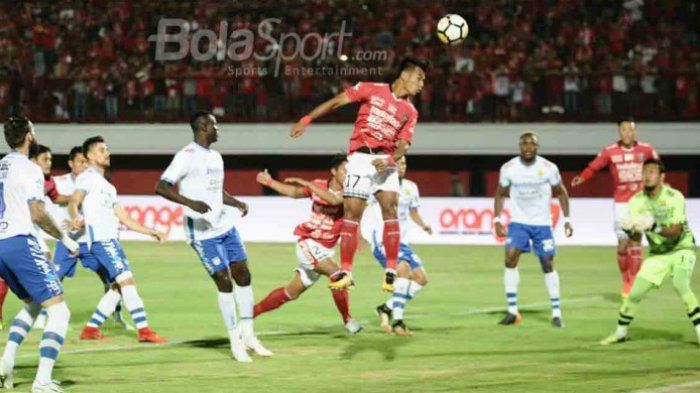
(363, 180)
(310, 253)
(621, 211)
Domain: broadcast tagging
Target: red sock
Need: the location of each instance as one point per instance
(635, 257)
(4, 288)
(342, 301)
(348, 244)
(274, 299)
(392, 242)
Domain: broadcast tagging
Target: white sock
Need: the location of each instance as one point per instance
(245, 300)
(551, 280)
(57, 318)
(400, 297)
(21, 325)
(413, 289)
(697, 331)
(511, 279)
(105, 308)
(134, 304)
(227, 306)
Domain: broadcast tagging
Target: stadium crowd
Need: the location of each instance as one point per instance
(523, 60)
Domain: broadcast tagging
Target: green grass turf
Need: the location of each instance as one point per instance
(457, 345)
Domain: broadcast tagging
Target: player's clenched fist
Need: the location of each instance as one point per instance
(264, 178)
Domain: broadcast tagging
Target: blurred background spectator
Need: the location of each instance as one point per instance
(560, 60)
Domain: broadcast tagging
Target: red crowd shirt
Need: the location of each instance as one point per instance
(625, 167)
(383, 119)
(326, 220)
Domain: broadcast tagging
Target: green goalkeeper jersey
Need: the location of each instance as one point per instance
(667, 208)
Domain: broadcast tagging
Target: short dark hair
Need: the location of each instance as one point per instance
(16, 129)
(40, 149)
(74, 152)
(194, 119)
(338, 160)
(628, 119)
(657, 162)
(90, 142)
(411, 62)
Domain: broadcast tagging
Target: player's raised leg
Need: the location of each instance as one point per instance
(349, 240)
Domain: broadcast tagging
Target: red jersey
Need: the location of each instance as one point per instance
(383, 119)
(50, 188)
(326, 220)
(625, 167)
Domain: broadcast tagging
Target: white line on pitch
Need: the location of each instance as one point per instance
(535, 305)
(672, 388)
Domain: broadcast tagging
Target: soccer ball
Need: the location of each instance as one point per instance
(452, 29)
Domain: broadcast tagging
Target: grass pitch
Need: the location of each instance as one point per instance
(457, 345)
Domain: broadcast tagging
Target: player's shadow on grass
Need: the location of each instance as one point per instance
(613, 298)
(539, 315)
(384, 345)
(640, 333)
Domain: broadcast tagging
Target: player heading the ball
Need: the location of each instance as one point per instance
(383, 132)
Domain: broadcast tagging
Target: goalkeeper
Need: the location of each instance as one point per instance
(659, 212)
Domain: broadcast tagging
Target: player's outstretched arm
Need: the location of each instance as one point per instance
(321, 110)
(291, 190)
(416, 217)
(137, 226)
(601, 161)
(167, 191)
(498, 202)
(563, 197)
(329, 197)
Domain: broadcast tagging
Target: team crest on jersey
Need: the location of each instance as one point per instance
(216, 261)
(539, 172)
(616, 158)
(640, 157)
